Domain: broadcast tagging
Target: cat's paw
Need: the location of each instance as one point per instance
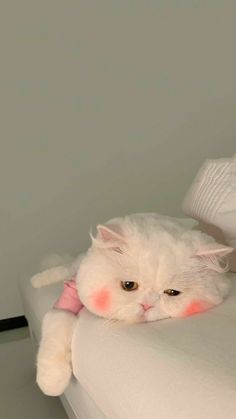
(54, 379)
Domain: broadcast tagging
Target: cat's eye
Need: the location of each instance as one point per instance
(172, 292)
(129, 285)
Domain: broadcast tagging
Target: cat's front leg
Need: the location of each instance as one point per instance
(54, 356)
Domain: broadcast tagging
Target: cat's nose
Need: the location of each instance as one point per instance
(146, 306)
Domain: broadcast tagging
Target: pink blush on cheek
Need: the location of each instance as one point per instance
(101, 299)
(195, 307)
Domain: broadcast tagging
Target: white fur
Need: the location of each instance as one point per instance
(56, 273)
(158, 253)
(54, 356)
(155, 251)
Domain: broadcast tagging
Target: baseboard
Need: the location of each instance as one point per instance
(13, 323)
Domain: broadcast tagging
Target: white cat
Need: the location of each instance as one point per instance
(140, 268)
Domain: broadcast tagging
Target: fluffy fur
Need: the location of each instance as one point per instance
(157, 254)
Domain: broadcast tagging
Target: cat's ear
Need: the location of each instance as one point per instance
(109, 236)
(214, 256)
(110, 233)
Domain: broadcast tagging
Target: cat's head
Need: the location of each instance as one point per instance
(145, 269)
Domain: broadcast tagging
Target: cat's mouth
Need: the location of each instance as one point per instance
(152, 314)
(146, 312)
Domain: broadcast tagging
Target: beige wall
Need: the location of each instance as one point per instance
(107, 108)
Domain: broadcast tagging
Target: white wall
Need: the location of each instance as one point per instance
(107, 108)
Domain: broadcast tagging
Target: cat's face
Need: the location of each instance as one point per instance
(139, 272)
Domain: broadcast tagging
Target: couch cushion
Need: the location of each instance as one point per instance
(37, 301)
(181, 368)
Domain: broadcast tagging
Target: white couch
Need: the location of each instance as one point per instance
(169, 369)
